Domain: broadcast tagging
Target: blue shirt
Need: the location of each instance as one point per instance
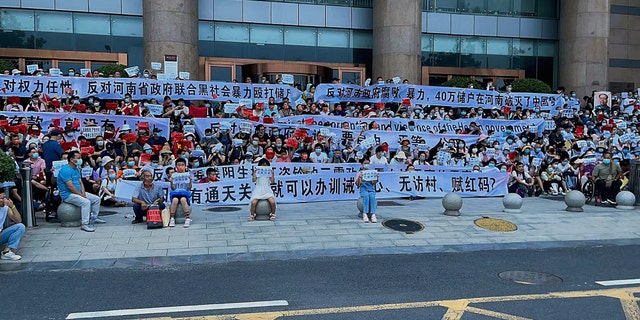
(51, 151)
(68, 174)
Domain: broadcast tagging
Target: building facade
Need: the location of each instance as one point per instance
(587, 45)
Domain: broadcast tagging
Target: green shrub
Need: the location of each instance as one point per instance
(462, 82)
(7, 65)
(530, 85)
(109, 69)
(7, 168)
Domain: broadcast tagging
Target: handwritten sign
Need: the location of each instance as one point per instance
(549, 125)
(396, 80)
(57, 165)
(533, 128)
(197, 153)
(367, 143)
(369, 175)
(32, 68)
(263, 171)
(474, 161)
(300, 101)
(581, 144)
(246, 127)
(287, 78)
(443, 157)
(184, 75)
(189, 128)
(237, 142)
(129, 173)
(132, 71)
(85, 72)
(87, 172)
(91, 132)
(567, 113)
(162, 76)
(155, 109)
(589, 160)
(324, 132)
(491, 152)
(423, 147)
(156, 66)
(181, 178)
(231, 107)
(622, 125)
(54, 72)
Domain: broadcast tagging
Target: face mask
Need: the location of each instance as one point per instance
(255, 143)
(564, 163)
(460, 145)
(100, 143)
(509, 141)
(180, 169)
(441, 111)
(112, 176)
(380, 82)
(90, 101)
(505, 152)
(131, 163)
(79, 162)
(625, 151)
(503, 170)
(538, 150)
(69, 134)
(463, 113)
(95, 104)
(196, 164)
(550, 169)
(207, 105)
(276, 133)
(278, 145)
(491, 165)
(184, 156)
(76, 101)
(508, 132)
(474, 150)
(148, 151)
(318, 151)
(573, 95)
(189, 138)
(422, 158)
(154, 165)
(476, 170)
(36, 155)
(479, 111)
(606, 161)
(127, 100)
(366, 166)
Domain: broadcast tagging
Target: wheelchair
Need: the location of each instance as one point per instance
(589, 190)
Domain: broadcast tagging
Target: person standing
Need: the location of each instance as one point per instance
(368, 194)
(72, 191)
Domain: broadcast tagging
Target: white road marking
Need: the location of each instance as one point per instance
(201, 307)
(618, 282)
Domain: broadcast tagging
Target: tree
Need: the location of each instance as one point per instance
(530, 85)
(109, 69)
(7, 65)
(7, 168)
(462, 82)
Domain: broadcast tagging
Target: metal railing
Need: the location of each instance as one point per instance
(342, 3)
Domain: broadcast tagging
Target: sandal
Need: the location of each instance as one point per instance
(251, 217)
(272, 217)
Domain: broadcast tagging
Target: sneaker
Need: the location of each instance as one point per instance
(611, 202)
(365, 217)
(98, 220)
(10, 256)
(187, 222)
(172, 222)
(373, 218)
(87, 228)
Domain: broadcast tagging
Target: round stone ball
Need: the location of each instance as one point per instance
(512, 202)
(452, 202)
(626, 200)
(574, 199)
(69, 215)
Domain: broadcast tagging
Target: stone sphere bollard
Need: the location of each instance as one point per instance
(360, 205)
(574, 200)
(69, 215)
(512, 203)
(452, 204)
(263, 209)
(626, 200)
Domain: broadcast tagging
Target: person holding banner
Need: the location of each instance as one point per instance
(72, 191)
(180, 194)
(366, 180)
(263, 176)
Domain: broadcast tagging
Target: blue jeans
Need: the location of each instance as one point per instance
(137, 210)
(369, 202)
(12, 235)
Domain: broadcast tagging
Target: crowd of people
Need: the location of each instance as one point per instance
(591, 143)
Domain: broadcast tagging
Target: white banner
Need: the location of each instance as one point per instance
(139, 88)
(341, 186)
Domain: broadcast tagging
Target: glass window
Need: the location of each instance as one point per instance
(54, 22)
(501, 7)
(444, 5)
(498, 62)
(220, 74)
(22, 20)
(65, 65)
(126, 26)
(524, 7)
(446, 44)
(362, 39)
(300, 36)
(473, 45)
(333, 38)
(547, 48)
(266, 34)
(474, 6)
(426, 43)
(547, 8)
(232, 32)
(499, 46)
(351, 77)
(473, 60)
(522, 47)
(206, 31)
(91, 24)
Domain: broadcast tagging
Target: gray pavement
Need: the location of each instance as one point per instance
(320, 229)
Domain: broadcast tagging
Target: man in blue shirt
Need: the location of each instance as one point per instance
(72, 191)
(51, 151)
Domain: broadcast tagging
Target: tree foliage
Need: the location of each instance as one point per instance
(7, 65)
(462, 82)
(7, 168)
(109, 69)
(530, 85)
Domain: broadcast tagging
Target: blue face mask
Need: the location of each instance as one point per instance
(527, 151)
(491, 165)
(127, 100)
(509, 141)
(35, 156)
(148, 151)
(90, 101)
(131, 163)
(79, 162)
(606, 161)
(207, 105)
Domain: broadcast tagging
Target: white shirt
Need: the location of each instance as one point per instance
(375, 160)
(318, 158)
(3, 215)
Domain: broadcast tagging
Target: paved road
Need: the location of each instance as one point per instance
(383, 286)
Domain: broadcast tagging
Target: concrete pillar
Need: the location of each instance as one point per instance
(397, 39)
(584, 42)
(171, 28)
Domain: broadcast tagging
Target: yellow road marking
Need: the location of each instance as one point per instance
(455, 308)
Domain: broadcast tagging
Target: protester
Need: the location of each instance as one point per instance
(262, 190)
(368, 194)
(180, 194)
(12, 234)
(72, 191)
(148, 194)
(607, 176)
